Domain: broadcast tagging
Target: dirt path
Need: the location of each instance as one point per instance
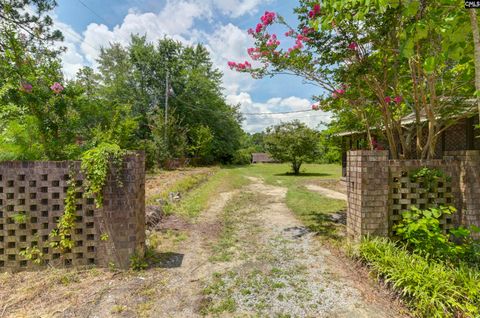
(326, 192)
(246, 255)
(290, 273)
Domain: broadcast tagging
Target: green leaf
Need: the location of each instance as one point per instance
(412, 8)
(429, 64)
(407, 49)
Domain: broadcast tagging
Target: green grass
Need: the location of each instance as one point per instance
(236, 212)
(430, 288)
(183, 186)
(310, 207)
(279, 174)
(197, 200)
(314, 209)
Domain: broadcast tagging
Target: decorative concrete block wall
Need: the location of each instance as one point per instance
(102, 236)
(379, 190)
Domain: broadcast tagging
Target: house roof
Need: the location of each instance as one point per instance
(411, 119)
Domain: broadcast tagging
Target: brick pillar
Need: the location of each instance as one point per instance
(123, 214)
(367, 186)
(469, 185)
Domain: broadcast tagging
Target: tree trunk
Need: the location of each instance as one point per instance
(296, 167)
(476, 43)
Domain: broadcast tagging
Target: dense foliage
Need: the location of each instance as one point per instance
(292, 142)
(43, 116)
(422, 233)
(375, 62)
(430, 287)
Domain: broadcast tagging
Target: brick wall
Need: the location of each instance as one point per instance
(379, 190)
(37, 190)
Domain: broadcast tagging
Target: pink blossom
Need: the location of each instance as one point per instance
(353, 46)
(57, 88)
(259, 28)
(232, 65)
(26, 87)
(340, 91)
(397, 99)
(289, 33)
(388, 99)
(254, 53)
(268, 18)
(315, 107)
(334, 95)
(315, 11)
(273, 41)
(307, 30)
(250, 31)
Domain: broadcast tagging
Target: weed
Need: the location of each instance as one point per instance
(118, 309)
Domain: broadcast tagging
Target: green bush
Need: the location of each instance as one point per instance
(421, 232)
(431, 288)
(243, 156)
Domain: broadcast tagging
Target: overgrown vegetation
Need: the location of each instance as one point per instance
(422, 233)
(61, 237)
(96, 165)
(431, 287)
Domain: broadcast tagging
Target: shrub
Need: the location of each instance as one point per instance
(431, 288)
(420, 230)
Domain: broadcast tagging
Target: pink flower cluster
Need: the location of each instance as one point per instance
(273, 41)
(315, 107)
(26, 87)
(353, 46)
(396, 99)
(254, 53)
(57, 88)
(338, 92)
(306, 31)
(268, 18)
(240, 66)
(289, 33)
(315, 11)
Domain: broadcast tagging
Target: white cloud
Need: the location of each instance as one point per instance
(230, 43)
(175, 20)
(227, 43)
(72, 60)
(238, 8)
(256, 123)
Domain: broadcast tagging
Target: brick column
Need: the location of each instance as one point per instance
(122, 217)
(469, 185)
(367, 186)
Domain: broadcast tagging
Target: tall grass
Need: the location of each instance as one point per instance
(431, 288)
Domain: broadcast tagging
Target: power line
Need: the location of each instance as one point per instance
(279, 113)
(93, 11)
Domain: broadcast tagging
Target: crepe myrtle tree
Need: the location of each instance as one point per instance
(292, 142)
(378, 59)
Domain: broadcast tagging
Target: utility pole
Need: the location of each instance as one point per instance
(166, 109)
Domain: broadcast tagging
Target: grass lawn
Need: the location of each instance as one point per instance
(312, 208)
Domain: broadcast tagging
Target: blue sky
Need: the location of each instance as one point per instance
(218, 24)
